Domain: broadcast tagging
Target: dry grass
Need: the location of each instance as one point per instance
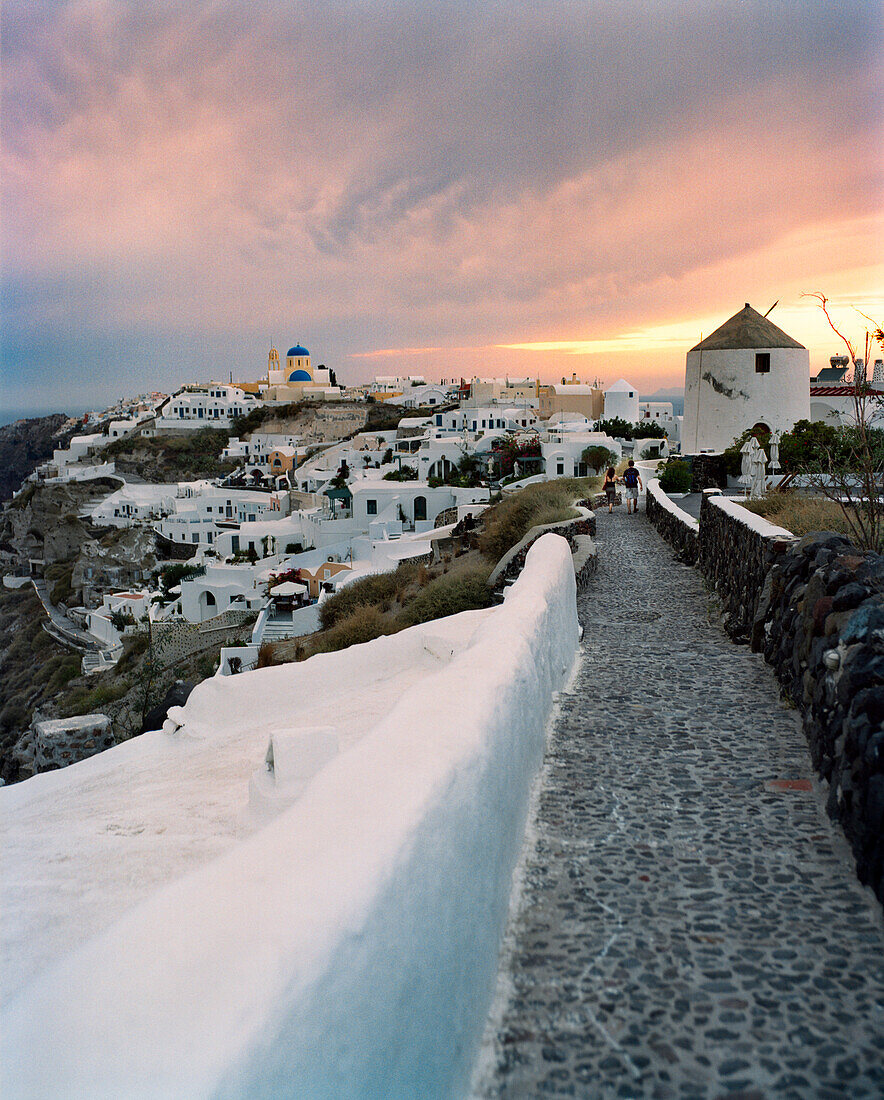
(546, 502)
(799, 514)
(379, 590)
(414, 593)
(462, 589)
(363, 624)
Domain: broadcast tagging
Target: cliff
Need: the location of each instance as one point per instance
(25, 444)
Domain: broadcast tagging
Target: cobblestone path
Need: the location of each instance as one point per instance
(690, 924)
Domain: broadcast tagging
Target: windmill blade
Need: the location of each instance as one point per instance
(773, 307)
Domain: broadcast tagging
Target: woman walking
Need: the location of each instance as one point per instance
(610, 487)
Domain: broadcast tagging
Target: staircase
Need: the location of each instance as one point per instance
(277, 629)
(90, 663)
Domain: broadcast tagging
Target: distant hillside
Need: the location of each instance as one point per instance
(24, 444)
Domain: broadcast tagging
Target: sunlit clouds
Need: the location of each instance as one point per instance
(464, 188)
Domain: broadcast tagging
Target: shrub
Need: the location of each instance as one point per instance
(676, 478)
(507, 522)
(362, 624)
(179, 572)
(598, 458)
(406, 473)
(379, 590)
(84, 701)
(134, 646)
(61, 590)
(448, 595)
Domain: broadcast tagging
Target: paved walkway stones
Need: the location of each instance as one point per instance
(690, 924)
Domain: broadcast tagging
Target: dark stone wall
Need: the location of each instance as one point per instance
(735, 561)
(707, 471)
(678, 534)
(820, 622)
(815, 608)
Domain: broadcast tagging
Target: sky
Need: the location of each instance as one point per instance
(449, 189)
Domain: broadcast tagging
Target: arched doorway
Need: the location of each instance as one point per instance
(420, 509)
(208, 605)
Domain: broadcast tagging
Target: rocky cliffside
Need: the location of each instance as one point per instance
(44, 522)
(25, 444)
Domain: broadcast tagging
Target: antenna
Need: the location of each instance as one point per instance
(773, 307)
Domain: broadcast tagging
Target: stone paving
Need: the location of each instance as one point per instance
(690, 924)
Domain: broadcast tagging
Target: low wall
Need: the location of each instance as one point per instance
(349, 947)
(735, 549)
(679, 529)
(815, 607)
(819, 621)
(175, 639)
(63, 741)
(513, 561)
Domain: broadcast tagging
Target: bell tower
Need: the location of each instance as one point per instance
(274, 370)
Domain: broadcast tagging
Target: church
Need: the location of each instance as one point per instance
(298, 380)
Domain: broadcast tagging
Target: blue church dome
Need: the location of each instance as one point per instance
(300, 376)
(297, 350)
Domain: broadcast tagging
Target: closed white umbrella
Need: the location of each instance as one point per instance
(775, 451)
(746, 462)
(758, 475)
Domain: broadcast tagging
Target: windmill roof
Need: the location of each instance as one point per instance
(747, 329)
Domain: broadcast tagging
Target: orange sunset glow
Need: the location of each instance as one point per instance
(447, 189)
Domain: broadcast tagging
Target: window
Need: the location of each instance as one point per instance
(234, 544)
(632, 393)
(762, 362)
(560, 467)
(371, 507)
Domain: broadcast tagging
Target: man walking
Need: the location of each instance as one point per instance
(632, 482)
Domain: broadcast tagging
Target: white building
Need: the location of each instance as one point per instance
(562, 452)
(621, 400)
(256, 449)
(135, 504)
(747, 372)
(420, 396)
(484, 418)
(200, 516)
(833, 397)
(77, 449)
(412, 503)
(663, 415)
(211, 406)
(221, 588)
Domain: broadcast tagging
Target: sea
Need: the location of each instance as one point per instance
(8, 416)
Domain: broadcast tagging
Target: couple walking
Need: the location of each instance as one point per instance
(631, 482)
